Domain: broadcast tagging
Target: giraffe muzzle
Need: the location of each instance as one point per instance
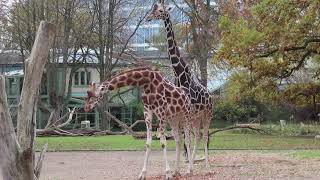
(149, 18)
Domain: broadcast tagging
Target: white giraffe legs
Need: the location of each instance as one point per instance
(206, 126)
(196, 137)
(188, 143)
(163, 143)
(176, 135)
(148, 119)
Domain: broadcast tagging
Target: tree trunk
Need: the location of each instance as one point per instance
(17, 152)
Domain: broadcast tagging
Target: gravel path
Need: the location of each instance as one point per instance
(223, 165)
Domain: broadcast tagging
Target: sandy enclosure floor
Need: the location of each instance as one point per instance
(223, 165)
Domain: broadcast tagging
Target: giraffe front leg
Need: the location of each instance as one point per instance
(148, 119)
(163, 143)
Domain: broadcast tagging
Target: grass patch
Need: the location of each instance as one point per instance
(225, 140)
(306, 154)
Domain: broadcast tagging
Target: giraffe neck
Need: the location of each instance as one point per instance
(139, 77)
(180, 67)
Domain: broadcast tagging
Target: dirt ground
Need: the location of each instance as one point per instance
(223, 165)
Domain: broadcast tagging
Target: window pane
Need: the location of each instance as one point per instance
(76, 78)
(83, 75)
(12, 88)
(44, 85)
(88, 78)
(21, 84)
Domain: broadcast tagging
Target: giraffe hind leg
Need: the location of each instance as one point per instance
(176, 135)
(206, 126)
(197, 139)
(163, 143)
(188, 143)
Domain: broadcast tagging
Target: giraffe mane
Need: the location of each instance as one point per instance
(134, 69)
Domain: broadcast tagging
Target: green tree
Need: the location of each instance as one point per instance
(268, 44)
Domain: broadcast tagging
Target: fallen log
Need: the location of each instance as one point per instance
(253, 128)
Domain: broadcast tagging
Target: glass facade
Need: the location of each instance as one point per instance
(144, 39)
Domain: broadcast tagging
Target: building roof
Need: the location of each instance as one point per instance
(14, 73)
(10, 57)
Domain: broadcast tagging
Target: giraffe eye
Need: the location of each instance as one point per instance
(161, 11)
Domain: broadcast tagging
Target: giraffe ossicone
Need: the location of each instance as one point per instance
(160, 97)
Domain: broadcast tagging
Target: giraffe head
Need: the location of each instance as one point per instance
(158, 11)
(93, 97)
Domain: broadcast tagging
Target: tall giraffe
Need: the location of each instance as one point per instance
(160, 97)
(198, 94)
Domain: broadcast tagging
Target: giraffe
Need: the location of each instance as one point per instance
(199, 95)
(160, 97)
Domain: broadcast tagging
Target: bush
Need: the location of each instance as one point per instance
(230, 113)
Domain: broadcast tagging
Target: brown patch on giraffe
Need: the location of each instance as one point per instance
(180, 102)
(143, 81)
(158, 77)
(172, 109)
(90, 94)
(131, 82)
(178, 109)
(160, 88)
(171, 88)
(175, 94)
(145, 73)
(170, 43)
(167, 93)
(161, 102)
(203, 100)
(113, 81)
(172, 51)
(179, 68)
(152, 88)
(144, 99)
(169, 100)
(151, 75)
(167, 86)
(137, 76)
(156, 103)
(121, 84)
(155, 82)
(151, 98)
(174, 102)
(111, 87)
(122, 78)
(147, 91)
(169, 34)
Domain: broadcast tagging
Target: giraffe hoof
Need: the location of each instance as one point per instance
(142, 176)
(190, 172)
(176, 174)
(168, 175)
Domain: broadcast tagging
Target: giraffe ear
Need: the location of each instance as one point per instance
(169, 9)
